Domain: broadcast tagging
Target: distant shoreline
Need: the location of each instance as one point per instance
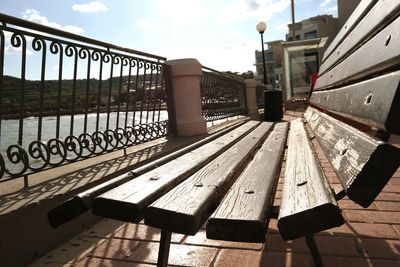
(68, 113)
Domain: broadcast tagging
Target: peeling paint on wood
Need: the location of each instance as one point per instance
(376, 18)
(375, 101)
(128, 201)
(308, 204)
(350, 24)
(186, 207)
(244, 213)
(363, 61)
(362, 163)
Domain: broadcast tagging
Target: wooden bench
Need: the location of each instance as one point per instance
(228, 181)
(182, 192)
(358, 83)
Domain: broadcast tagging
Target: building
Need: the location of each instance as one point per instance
(301, 64)
(303, 53)
(304, 61)
(315, 27)
(290, 64)
(273, 61)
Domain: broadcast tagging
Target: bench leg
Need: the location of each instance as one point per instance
(382, 135)
(312, 246)
(163, 251)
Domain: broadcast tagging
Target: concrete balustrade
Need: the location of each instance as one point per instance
(185, 82)
(186, 74)
(252, 108)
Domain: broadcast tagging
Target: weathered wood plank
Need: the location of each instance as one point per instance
(244, 213)
(82, 202)
(363, 7)
(375, 102)
(128, 201)
(308, 204)
(376, 19)
(378, 54)
(362, 163)
(185, 208)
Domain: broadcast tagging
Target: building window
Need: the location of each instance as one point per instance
(269, 57)
(310, 35)
(301, 67)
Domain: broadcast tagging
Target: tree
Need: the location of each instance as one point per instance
(247, 75)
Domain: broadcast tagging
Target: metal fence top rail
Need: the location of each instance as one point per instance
(4, 19)
(224, 74)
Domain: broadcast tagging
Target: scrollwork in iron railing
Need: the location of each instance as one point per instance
(57, 152)
(222, 95)
(102, 97)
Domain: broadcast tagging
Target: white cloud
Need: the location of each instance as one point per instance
(182, 9)
(252, 5)
(220, 57)
(147, 25)
(91, 7)
(34, 16)
(246, 9)
(232, 35)
(283, 26)
(7, 35)
(333, 9)
(11, 50)
(326, 2)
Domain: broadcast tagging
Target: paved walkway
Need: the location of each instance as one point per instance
(370, 237)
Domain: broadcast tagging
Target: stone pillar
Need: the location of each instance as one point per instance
(186, 74)
(252, 108)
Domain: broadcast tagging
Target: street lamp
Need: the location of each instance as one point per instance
(261, 27)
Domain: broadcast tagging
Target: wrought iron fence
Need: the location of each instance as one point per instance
(222, 95)
(65, 97)
(260, 88)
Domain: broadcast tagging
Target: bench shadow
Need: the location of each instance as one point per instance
(128, 243)
(336, 249)
(71, 183)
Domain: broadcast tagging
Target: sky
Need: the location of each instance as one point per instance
(221, 34)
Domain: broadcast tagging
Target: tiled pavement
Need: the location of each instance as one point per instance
(370, 237)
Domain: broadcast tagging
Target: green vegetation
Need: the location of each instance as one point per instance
(86, 95)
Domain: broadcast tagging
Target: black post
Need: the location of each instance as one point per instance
(263, 56)
(382, 135)
(293, 22)
(312, 246)
(272, 99)
(163, 251)
(273, 105)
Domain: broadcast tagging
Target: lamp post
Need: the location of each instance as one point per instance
(272, 98)
(261, 27)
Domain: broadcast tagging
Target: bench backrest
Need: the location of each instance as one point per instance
(360, 74)
(359, 80)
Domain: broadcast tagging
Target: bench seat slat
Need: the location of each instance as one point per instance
(362, 8)
(379, 53)
(374, 102)
(308, 204)
(245, 211)
(185, 208)
(82, 202)
(128, 201)
(362, 163)
(377, 17)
